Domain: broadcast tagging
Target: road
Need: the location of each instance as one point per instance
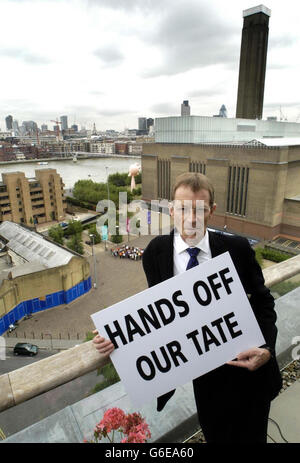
(23, 415)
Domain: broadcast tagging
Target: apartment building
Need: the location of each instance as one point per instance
(31, 201)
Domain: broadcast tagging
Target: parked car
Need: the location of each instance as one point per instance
(25, 348)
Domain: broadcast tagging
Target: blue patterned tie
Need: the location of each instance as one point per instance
(193, 252)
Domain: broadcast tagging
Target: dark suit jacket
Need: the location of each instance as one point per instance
(158, 266)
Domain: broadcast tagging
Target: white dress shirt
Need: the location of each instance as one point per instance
(181, 256)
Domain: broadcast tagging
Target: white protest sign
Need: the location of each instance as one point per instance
(179, 329)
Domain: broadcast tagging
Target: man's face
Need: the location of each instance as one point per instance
(191, 213)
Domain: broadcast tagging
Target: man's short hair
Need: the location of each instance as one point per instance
(195, 182)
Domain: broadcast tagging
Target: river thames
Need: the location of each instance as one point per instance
(83, 169)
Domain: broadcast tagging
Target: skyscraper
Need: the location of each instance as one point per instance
(64, 122)
(143, 123)
(9, 121)
(223, 111)
(253, 60)
(185, 108)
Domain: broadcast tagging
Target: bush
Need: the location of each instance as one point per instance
(75, 243)
(111, 377)
(116, 238)
(284, 287)
(93, 231)
(118, 179)
(272, 254)
(258, 255)
(74, 228)
(56, 234)
(137, 191)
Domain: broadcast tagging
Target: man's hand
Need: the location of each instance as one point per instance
(103, 346)
(252, 358)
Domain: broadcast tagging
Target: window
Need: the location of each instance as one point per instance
(198, 167)
(163, 173)
(237, 189)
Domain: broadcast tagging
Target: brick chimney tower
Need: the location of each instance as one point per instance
(253, 60)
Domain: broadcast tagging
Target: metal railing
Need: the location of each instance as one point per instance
(34, 379)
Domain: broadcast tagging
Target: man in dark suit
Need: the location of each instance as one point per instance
(233, 401)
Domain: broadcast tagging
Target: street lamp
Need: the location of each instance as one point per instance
(94, 259)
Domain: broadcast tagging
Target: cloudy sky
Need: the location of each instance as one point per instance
(109, 62)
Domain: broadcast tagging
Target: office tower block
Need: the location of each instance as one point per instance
(15, 127)
(253, 60)
(185, 108)
(9, 121)
(64, 122)
(150, 122)
(223, 111)
(143, 123)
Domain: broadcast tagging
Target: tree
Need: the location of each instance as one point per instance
(74, 228)
(118, 179)
(116, 238)
(56, 234)
(75, 243)
(93, 231)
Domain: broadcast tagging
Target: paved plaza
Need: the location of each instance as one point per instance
(117, 279)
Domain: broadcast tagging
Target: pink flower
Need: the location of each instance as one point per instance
(133, 426)
(113, 419)
(131, 421)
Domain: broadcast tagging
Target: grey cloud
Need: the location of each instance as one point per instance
(285, 41)
(127, 5)
(192, 35)
(96, 92)
(25, 55)
(109, 55)
(166, 108)
(278, 105)
(114, 112)
(206, 92)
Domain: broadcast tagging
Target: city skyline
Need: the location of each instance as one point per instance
(110, 62)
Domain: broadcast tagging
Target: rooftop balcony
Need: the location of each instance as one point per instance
(33, 380)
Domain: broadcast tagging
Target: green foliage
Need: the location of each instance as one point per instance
(56, 234)
(285, 287)
(89, 336)
(137, 191)
(271, 254)
(258, 255)
(93, 231)
(118, 179)
(274, 255)
(110, 375)
(138, 178)
(88, 192)
(75, 243)
(74, 228)
(116, 238)
(77, 202)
